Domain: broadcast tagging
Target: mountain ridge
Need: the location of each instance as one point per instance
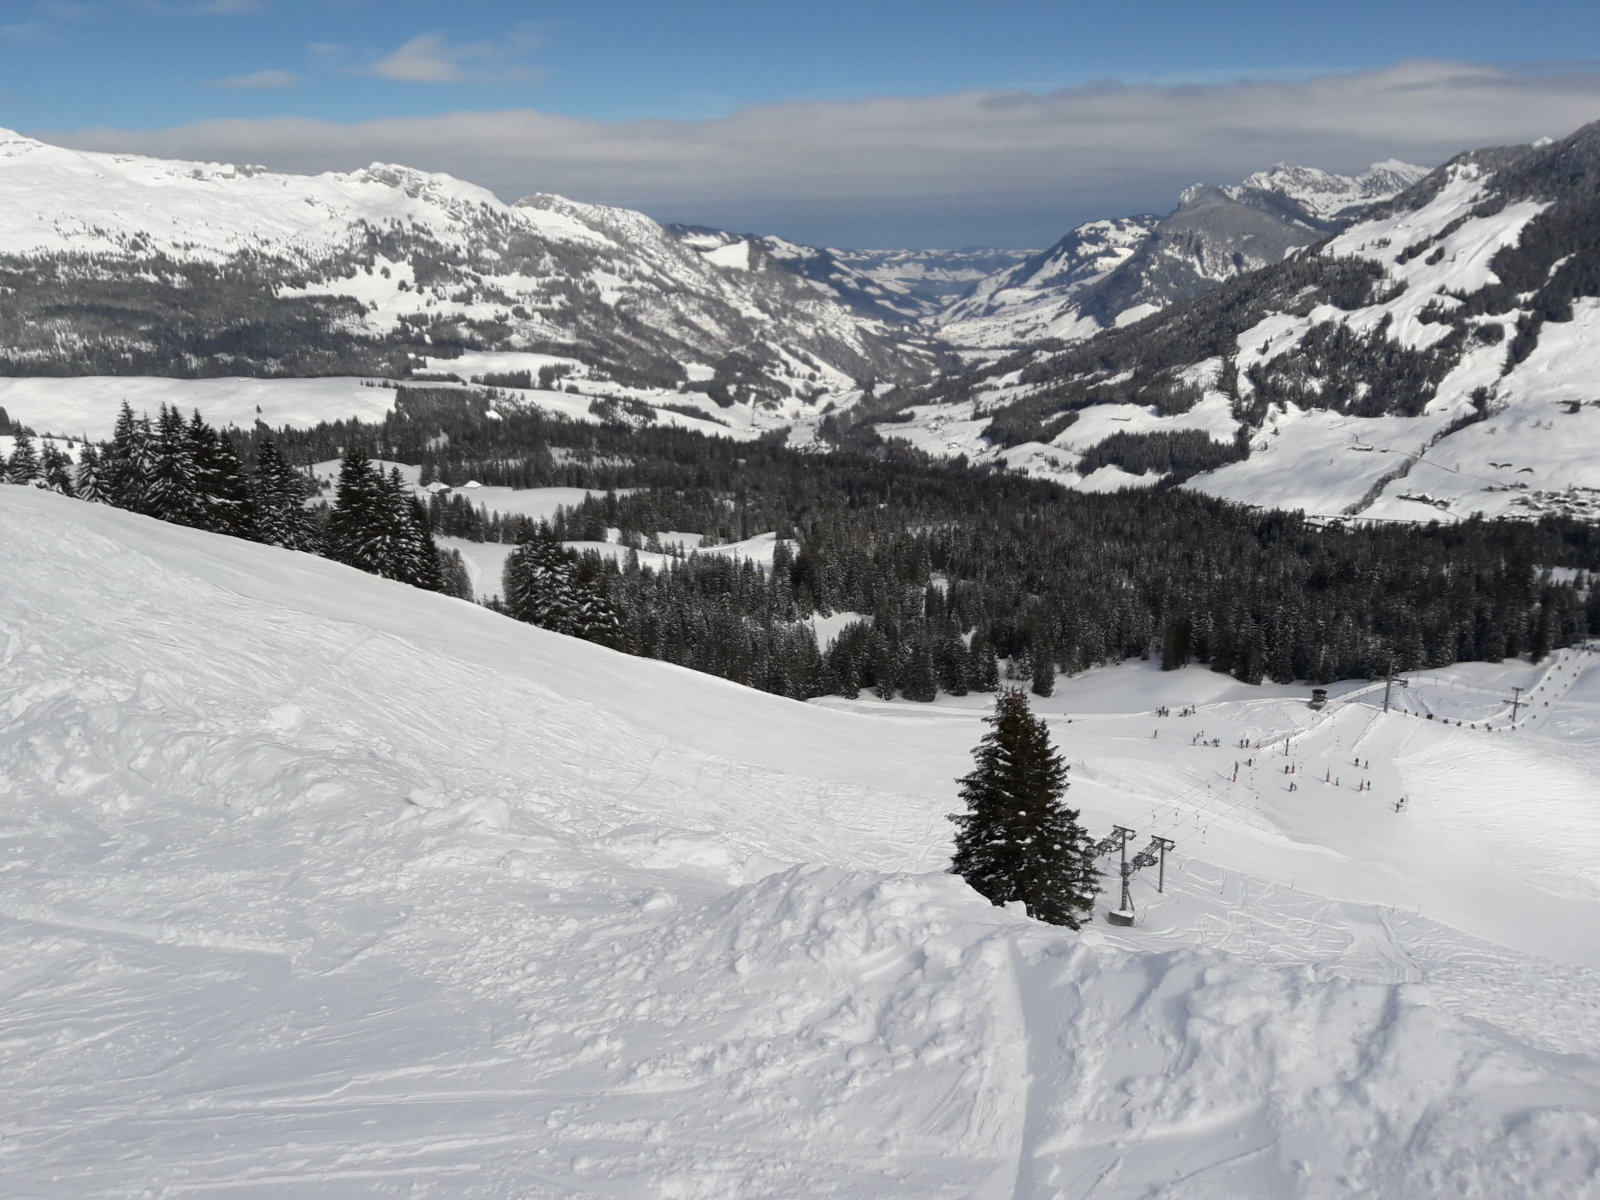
(365, 271)
(1430, 359)
(1111, 272)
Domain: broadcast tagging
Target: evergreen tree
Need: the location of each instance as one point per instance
(395, 539)
(597, 618)
(983, 669)
(1043, 680)
(222, 497)
(277, 490)
(1250, 654)
(91, 477)
(173, 493)
(55, 470)
(885, 662)
(918, 678)
(420, 566)
(1017, 840)
(126, 462)
(356, 527)
(1177, 641)
(453, 577)
(950, 656)
(537, 585)
(23, 466)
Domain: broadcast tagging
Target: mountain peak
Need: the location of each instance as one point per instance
(1325, 194)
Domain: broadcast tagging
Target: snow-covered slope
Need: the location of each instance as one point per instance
(1433, 359)
(1109, 273)
(318, 886)
(115, 264)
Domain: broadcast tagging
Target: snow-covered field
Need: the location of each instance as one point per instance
(312, 885)
(87, 406)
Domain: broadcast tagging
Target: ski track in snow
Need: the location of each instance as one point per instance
(312, 885)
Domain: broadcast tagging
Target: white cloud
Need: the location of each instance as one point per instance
(1010, 168)
(260, 79)
(424, 59)
(428, 58)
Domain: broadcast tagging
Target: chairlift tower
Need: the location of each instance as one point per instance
(1154, 854)
(1123, 913)
(1388, 683)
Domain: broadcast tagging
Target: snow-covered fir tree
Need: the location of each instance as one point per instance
(171, 494)
(55, 470)
(355, 529)
(1018, 840)
(90, 481)
(23, 465)
(453, 577)
(548, 585)
(538, 585)
(127, 461)
(278, 489)
(222, 493)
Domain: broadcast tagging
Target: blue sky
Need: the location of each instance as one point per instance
(909, 123)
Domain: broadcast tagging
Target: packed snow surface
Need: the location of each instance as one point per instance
(318, 886)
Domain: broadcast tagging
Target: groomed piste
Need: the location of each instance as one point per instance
(314, 885)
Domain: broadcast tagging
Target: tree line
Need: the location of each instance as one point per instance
(933, 576)
(185, 472)
(962, 577)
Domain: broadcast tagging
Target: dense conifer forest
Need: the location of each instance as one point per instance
(955, 577)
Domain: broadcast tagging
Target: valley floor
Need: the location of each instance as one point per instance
(313, 885)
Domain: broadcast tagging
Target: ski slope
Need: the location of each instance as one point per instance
(312, 885)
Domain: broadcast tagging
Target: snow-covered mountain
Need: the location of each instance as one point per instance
(1434, 358)
(934, 278)
(899, 286)
(1111, 272)
(825, 270)
(1041, 297)
(317, 885)
(1329, 196)
(116, 264)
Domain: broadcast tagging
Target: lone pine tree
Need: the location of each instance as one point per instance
(1018, 840)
